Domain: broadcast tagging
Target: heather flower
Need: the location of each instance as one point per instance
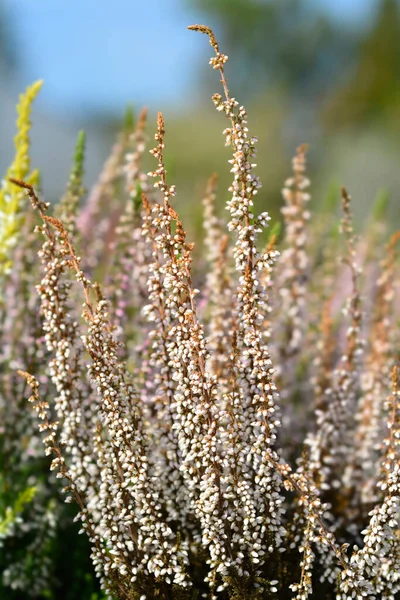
(159, 401)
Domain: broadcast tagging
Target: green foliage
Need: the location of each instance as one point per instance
(11, 513)
(69, 203)
(77, 173)
(275, 232)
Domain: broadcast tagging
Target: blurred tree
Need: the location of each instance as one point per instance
(372, 92)
(280, 42)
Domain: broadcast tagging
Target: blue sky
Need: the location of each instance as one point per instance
(94, 57)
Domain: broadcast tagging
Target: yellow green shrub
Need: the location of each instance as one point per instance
(11, 198)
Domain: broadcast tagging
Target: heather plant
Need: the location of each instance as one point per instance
(226, 434)
(33, 518)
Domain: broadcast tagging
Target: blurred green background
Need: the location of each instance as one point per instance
(307, 70)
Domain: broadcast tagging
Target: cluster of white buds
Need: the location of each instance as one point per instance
(381, 536)
(332, 443)
(131, 495)
(191, 407)
(293, 264)
(218, 293)
(375, 381)
(253, 411)
(96, 220)
(127, 279)
(41, 407)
